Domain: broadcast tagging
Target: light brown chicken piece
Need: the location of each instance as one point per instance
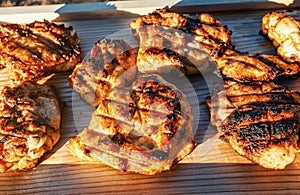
(283, 29)
(33, 51)
(29, 125)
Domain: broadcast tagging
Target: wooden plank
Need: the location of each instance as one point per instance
(213, 167)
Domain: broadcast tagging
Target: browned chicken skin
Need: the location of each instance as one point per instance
(32, 51)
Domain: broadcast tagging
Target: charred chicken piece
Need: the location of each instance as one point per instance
(232, 95)
(244, 67)
(145, 128)
(266, 134)
(33, 51)
(283, 29)
(259, 120)
(196, 39)
(29, 125)
(111, 63)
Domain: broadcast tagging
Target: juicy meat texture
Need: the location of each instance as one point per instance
(195, 38)
(144, 128)
(110, 63)
(32, 51)
(259, 120)
(29, 125)
(245, 67)
(283, 29)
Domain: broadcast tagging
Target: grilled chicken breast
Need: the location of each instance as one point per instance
(30, 125)
(283, 29)
(196, 39)
(110, 63)
(244, 67)
(38, 49)
(265, 133)
(259, 120)
(144, 128)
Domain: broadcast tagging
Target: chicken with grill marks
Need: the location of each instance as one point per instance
(29, 125)
(144, 128)
(33, 51)
(283, 29)
(163, 34)
(110, 63)
(259, 120)
(244, 67)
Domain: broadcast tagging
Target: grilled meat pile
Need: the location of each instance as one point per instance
(144, 128)
(33, 51)
(172, 39)
(30, 125)
(111, 63)
(283, 29)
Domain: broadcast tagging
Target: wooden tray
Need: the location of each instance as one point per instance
(213, 167)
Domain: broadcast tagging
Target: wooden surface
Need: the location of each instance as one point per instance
(213, 167)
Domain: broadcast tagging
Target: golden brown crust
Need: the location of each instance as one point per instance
(29, 125)
(38, 49)
(145, 128)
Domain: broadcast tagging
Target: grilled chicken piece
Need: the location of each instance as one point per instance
(38, 49)
(259, 120)
(196, 39)
(29, 125)
(265, 133)
(283, 29)
(144, 128)
(111, 63)
(245, 67)
(232, 95)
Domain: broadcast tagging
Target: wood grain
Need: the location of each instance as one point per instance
(212, 168)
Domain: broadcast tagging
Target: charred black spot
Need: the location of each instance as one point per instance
(87, 151)
(119, 139)
(123, 164)
(254, 132)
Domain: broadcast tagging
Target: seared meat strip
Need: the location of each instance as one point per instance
(38, 49)
(283, 29)
(111, 63)
(144, 128)
(29, 125)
